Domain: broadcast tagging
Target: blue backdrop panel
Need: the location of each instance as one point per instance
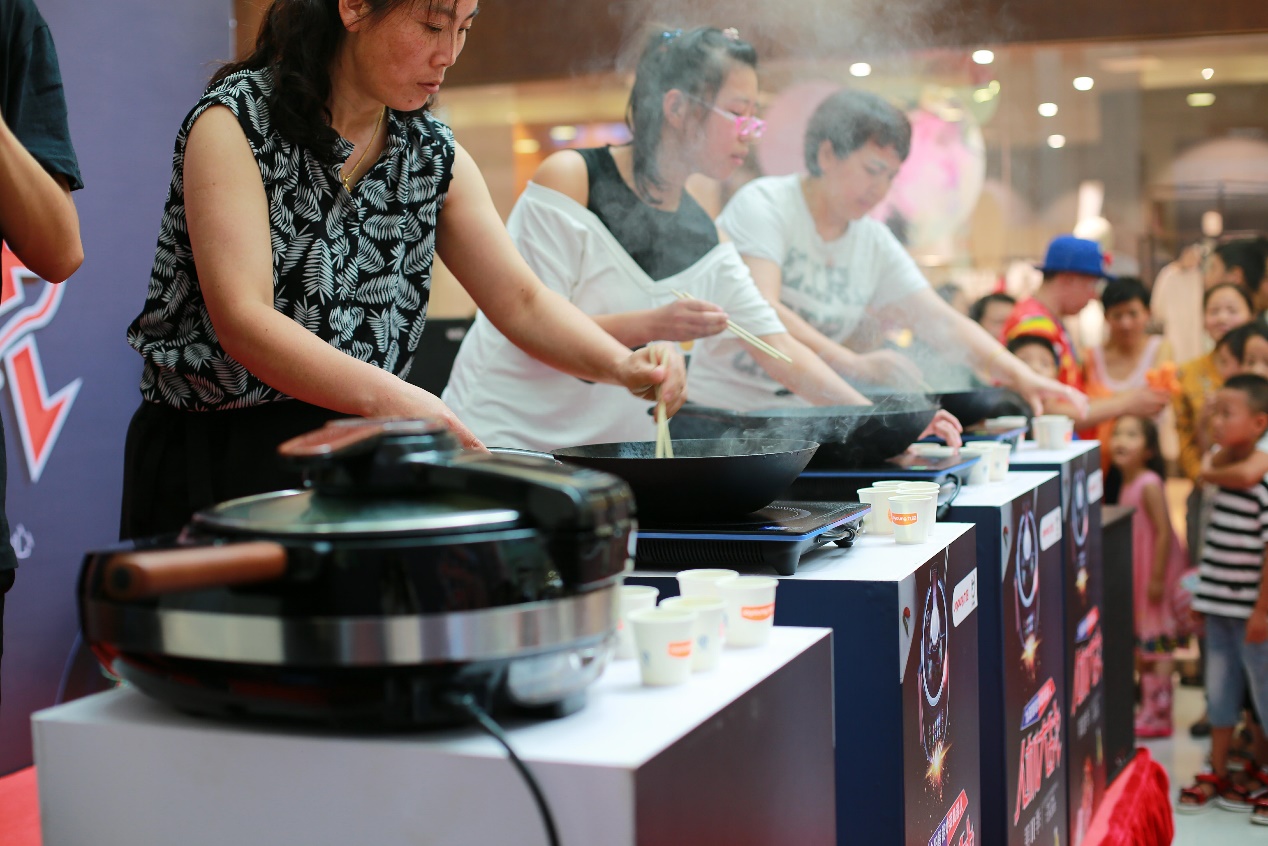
(132, 70)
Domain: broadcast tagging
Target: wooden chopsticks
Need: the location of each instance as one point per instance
(743, 334)
(664, 445)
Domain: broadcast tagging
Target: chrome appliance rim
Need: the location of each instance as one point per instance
(388, 640)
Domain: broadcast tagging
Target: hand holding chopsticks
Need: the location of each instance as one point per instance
(664, 446)
(743, 334)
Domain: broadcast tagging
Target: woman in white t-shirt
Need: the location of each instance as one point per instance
(825, 265)
(615, 231)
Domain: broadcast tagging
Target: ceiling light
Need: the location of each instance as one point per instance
(526, 146)
(1084, 83)
(1201, 99)
(983, 57)
(860, 69)
(1207, 73)
(1048, 109)
(1056, 142)
(563, 134)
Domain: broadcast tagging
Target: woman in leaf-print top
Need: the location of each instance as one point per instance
(310, 190)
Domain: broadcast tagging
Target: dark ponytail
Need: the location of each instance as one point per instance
(695, 62)
(298, 40)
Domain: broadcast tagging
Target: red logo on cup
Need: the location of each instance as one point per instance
(680, 648)
(757, 612)
(903, 519)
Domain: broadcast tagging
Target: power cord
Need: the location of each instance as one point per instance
(467, 703)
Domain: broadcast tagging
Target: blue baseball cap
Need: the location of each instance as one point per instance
(1067, 254)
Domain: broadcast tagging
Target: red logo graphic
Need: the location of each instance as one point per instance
(680, 649)
(40, 416)
(757, 612)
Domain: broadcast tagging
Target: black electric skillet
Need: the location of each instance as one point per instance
(848, 435)
(706, 478)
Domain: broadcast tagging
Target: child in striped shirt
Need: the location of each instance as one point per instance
(1231, 596)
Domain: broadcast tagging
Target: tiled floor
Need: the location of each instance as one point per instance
(1183, 756)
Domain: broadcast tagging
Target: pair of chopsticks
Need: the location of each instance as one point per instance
(743, 334)
(664, 445)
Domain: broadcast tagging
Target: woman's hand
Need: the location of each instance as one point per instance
(687, 320)
(642, 371)
(418, 403)
(1036, 389)
(1155, 593)
(944, 426)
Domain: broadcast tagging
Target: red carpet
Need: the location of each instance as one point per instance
(19, 809)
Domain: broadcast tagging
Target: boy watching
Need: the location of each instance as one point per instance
(1231, 593)
(1248, 344)
(1038, 353)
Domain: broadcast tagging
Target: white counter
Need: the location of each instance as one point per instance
(876, 558)
(996, 494)
(1029, 453)
(636, 762)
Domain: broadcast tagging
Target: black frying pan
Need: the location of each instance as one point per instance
(848, 435)
(973, 406)
(705, 478)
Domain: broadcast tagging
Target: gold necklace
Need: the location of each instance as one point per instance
(346, 178)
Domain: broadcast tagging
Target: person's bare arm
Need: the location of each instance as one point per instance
(807, 376)
(1145, 402)
(959, 338)
(37, 216)
(228, 218)
(1155, 506)
(1223, 471)
(1257, 624)
(681, 320)
(882, 366)
(474, 244)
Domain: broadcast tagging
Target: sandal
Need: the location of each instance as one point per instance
(1259, 811)
(1240, 761)
(1201, 795)
(1242, 794)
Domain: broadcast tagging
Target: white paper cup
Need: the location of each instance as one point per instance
(703, 582)
(889, 484)
(932, 451)
(979, 473)
(664, 639)
(1052, 431)
(910, 515)
(930, 489)
(1000, 456)
(750, 609)
(877, 520)
(631, 598)
(710, 629)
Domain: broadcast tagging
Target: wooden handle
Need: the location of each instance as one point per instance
(148, 573)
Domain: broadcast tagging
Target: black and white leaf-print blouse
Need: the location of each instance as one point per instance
(353, 268)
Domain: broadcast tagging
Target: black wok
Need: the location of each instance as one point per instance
(973, 406)
(705, 478)
(848, 435)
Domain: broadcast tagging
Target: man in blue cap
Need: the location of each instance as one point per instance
(1072, 272)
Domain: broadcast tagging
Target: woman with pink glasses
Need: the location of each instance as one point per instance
(615, 231)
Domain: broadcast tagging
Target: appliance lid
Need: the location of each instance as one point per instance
(310, 513)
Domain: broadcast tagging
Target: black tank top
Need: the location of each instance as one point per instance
(661, 242)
